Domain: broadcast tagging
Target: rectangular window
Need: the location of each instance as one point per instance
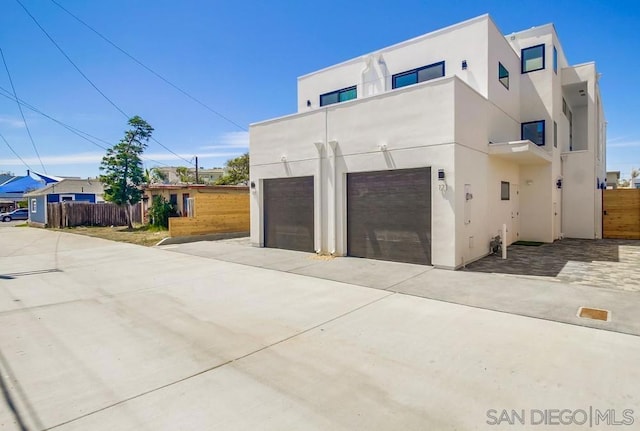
(555, 134)
(555, 60)
(503, 75)
(533, 131)
(34, 205)
(173, 199)
(338, 96)
(532, 58)
(426, 73)
(564, 106)
(504, 190)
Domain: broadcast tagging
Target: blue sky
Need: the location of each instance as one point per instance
(242, 59)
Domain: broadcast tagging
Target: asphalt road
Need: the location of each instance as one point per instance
(96, 335)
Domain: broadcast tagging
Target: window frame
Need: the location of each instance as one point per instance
(522, 62)
(500, 77)
(544, 131)
(395, 77)
(502, 190)
(555, 60)
(338, 93)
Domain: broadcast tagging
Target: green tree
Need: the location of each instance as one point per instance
(237, 171)
(122, 167)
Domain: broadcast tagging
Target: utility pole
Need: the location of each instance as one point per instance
(197, 182)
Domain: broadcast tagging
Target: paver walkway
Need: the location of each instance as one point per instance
(608, 263)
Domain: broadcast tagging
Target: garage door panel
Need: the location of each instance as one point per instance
(389, 215)
(288, 213)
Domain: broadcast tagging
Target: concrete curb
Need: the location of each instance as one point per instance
(206, 237)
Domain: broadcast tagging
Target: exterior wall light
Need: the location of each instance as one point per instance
(441, 174)
(464, 64)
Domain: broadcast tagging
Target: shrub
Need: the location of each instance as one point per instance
(160, 211)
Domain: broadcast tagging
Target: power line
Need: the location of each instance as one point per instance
(84, 135)
(103, 37)
(14, 152)
(26, 125)
(90, 81)
(71, 61)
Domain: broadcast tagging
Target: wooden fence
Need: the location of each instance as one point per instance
(70, 214)
(621, 217)
(218, 212)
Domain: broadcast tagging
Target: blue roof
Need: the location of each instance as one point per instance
(21, 185)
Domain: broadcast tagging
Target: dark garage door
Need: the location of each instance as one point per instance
(288, 213)
(389, 215)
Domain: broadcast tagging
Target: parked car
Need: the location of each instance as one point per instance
(19, 214)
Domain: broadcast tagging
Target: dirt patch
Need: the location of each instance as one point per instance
(140, 235)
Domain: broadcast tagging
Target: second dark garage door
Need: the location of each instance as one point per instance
(288, 213)
(389, 215)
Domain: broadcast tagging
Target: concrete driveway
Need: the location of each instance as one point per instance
(96, 335)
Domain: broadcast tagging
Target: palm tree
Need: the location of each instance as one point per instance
(184, 175)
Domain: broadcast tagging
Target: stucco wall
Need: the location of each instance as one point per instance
(463, 41)
(579, 195)
(414, 125)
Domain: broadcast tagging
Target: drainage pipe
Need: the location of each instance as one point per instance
(318, 197)
(334, 199)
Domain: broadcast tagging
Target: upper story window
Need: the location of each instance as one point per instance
(532, 58)
(503, 75)
(426, 73)
(338, 96)
(533, 131)
(555, 60)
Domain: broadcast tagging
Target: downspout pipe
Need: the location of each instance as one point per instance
(318, 198)
(334, 198)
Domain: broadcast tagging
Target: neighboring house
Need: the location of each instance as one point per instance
(205, 176)
(613, 177)
(67, 189)
(635, 183)
(203, 208)
(421, 151)
(13, 188)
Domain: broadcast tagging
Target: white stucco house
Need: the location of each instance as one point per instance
(421, 151)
